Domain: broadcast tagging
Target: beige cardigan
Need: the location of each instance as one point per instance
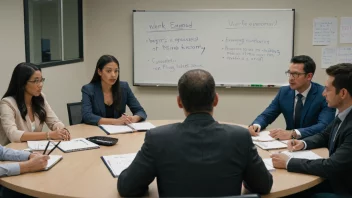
(12, 126)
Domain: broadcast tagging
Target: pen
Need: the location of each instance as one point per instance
(54, 148)
(47, 145)
(127, 118)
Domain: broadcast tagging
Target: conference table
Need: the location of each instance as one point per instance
(83, 173)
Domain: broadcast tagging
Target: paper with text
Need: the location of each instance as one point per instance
(325, 31)
(328, 56)
(271, 145)
(263, 137)
(141, 126)
(346, 30)
(115, 129)
(118, 163)
(77, 144)
(39, 145)
(302, 154)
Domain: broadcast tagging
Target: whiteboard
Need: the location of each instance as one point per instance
(238, 47)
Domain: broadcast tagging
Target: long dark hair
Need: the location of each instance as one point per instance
(20, 76)
(115, 89)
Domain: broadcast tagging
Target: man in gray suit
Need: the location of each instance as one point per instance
(198, 157)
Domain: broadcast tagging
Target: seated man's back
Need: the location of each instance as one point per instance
(201, 157)
(198, 157)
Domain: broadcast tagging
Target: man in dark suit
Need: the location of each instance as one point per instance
(198, 157)
(337, 137)
(304, 108)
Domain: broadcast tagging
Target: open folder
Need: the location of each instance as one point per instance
(263, 136)
(129, 128)
(54, 159)
(271, 145)
(117, 163)
(77, 144)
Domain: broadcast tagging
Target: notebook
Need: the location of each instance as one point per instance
(271, 145)
(77, 144)
(269, 164)
(117, 163)
(129, 128)
(39, 145)
(263, 137)
(54, 159)
(302, 154)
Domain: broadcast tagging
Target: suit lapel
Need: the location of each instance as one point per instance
(341, 129)
(310, 98)
(98, 92)
(291, 104)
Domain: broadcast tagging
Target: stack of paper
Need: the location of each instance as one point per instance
(54, 159)
(302, 154)
(39, 145)
(117, 163)
(115, 129)
(141, 126)
(269, 164)
(77, 144)
(263, 137)
(271, 145)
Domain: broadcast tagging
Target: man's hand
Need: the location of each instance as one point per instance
(295, 145)
(281, 134)
(280, 160)
(253, 130)
(36, 163)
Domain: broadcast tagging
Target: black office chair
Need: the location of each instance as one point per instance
(74, 113)
(244, 196)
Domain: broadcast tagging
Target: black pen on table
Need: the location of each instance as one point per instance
(54, 147)
(47, 145)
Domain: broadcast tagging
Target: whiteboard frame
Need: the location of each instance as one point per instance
(210, 10)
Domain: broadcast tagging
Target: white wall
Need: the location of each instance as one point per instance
(63, 83)
(109, 30)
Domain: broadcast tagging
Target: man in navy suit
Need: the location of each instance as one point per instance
(301, 103)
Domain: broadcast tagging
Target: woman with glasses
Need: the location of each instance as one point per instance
(105, 98)
(24, 109)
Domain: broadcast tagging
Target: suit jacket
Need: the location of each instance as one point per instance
(12, 126)
(338, 167)
(93, 108)
(316, 115)
(198, 157)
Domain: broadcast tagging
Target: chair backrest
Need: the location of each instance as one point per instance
(244, 196)
(74, 113)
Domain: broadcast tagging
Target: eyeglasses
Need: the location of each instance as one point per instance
(294, 74)
(37, 81)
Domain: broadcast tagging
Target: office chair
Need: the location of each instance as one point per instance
(74, 113)
(244, 196)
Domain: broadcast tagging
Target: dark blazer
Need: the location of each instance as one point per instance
(316, 115)
(198, 157)
(93, 107)
(338, 167)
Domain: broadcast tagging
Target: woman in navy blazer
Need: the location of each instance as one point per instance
(105, 98)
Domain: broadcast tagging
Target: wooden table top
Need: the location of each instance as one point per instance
(83, 173)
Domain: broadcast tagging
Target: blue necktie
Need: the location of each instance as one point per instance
(298, 110)
(337, 122)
